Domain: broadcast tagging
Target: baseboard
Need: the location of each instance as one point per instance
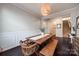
(9, 48)
(9, 40)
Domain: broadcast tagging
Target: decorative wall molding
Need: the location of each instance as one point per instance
(10, 40)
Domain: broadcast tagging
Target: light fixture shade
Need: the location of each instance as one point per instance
(45, 9)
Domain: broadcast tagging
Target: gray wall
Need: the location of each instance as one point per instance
(15, 25)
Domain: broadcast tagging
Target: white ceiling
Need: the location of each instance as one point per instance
(34, 8)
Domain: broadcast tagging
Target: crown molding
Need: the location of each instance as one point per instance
(28, 11)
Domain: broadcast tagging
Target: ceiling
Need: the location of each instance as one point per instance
(35, 8)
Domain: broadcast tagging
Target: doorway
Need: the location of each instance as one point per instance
(66, 28)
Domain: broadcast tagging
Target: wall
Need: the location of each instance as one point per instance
(73, 13)
(53, 29)
(0, 26)
(59, 29)
(15, 26)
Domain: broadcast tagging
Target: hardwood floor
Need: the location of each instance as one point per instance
(63, 49)
(12, 52)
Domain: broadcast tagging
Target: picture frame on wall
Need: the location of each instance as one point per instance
(77, 22)
(78, 26)
(58, 25)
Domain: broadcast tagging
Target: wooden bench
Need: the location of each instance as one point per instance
(49, 49)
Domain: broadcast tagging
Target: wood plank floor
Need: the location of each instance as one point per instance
(63, 49)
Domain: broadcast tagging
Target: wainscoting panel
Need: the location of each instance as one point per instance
(10, 40)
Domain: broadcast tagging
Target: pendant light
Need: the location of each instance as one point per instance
(45, 9)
